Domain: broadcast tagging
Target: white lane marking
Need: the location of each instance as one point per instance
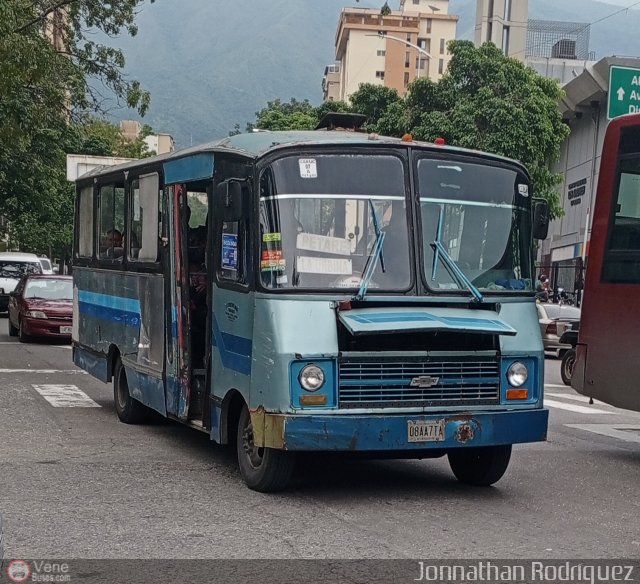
(626, 432)
(571, 396)
(574, 408)
(65, 396)
(66, 371)
(557, 385)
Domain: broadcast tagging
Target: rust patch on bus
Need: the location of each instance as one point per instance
(464, 433)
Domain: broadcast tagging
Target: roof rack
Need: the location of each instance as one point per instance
(341, 121)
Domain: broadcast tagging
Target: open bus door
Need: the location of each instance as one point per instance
(179, 366)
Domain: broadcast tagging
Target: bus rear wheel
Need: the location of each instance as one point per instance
(480, 467)
(129, 410)
(265, 470)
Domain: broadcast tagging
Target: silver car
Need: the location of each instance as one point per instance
(554, 320)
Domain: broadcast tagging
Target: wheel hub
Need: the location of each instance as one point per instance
(253, 452)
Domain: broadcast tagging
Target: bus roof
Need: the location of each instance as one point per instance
(258, 143)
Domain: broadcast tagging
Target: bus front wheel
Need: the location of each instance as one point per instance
(263, 469)
(129, 410)
(480, 466)
(566, 366)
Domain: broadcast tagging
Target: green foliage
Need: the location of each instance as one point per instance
(485, 101)
(292, 115)
(44, 90)
(102, 138)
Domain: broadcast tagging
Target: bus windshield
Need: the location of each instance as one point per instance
(481, 215)
(321, 216)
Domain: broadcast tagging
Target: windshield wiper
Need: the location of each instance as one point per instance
(453, 269)
(372, 260)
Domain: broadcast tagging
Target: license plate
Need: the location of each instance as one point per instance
(425, 431)
(65, 330)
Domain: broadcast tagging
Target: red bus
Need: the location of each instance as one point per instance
(607, 364)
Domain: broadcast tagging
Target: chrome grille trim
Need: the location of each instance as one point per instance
(386, 382)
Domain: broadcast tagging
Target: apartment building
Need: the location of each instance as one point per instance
(390, 49)
(158, 143)
(504, 23)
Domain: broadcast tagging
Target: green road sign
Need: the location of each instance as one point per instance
(624, 92)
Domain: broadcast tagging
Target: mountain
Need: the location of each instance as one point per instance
(210, 64)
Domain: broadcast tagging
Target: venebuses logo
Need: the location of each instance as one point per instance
(18, 571)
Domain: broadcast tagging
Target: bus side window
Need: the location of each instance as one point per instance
(85, 223)
(143, 219)
(111, 222)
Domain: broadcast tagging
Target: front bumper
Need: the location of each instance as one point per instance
(390, 432)
(45, 327)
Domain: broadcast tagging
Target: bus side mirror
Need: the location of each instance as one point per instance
(540, 219)
(229, 201)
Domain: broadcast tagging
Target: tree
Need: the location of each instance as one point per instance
(373, 101)
(102, 138)
(48, 54)
(485, 101)
(292, 115)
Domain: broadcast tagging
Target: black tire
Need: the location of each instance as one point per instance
(265, 470)
(13, 331)
(481, 466)
(22, 336)
(129, 410)
(566, 366)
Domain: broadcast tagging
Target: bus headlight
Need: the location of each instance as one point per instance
(517, 374)
(311, 377)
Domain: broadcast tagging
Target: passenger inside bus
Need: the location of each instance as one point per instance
(112, 245)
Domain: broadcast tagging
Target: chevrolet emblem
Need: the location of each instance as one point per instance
(424, 381)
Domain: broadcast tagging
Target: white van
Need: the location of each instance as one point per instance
(45, 263)
(14, 265)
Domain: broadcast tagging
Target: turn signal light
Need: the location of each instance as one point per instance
(313, 400)
(439, 141)
(517, 394)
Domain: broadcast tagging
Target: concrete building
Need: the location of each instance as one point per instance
(504, 23)
(558, 50)
(584, 109)
(158, 143)
(392, 49)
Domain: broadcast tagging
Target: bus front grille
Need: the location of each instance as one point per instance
(401, 382)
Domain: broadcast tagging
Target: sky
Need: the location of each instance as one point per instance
(622, 2)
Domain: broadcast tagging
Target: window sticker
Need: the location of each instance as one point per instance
(282, 280)
(523, 190)
(308, 168)
(229, 251)
(269, 237)
(322, 243)
(273, 265)
(312, 265)
(272, 254)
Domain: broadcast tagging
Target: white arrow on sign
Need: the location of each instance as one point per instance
(621, 93)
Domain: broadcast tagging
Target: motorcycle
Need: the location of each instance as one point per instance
(569, 337)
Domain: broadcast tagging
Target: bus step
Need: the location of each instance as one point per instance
(198, 425)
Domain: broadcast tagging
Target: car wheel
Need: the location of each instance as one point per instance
(265, 470)
(129, 410)
(22, 336)
(566, 367)
(480, 466)
(13, 331)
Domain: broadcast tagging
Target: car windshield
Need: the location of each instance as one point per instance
(45, 263)
(17, 269)
(481, 216)
(321, 216)
(556, 311)
(49, 289)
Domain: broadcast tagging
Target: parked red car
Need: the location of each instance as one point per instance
(41, 306)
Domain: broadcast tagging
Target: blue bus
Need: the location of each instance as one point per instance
(316, 291)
